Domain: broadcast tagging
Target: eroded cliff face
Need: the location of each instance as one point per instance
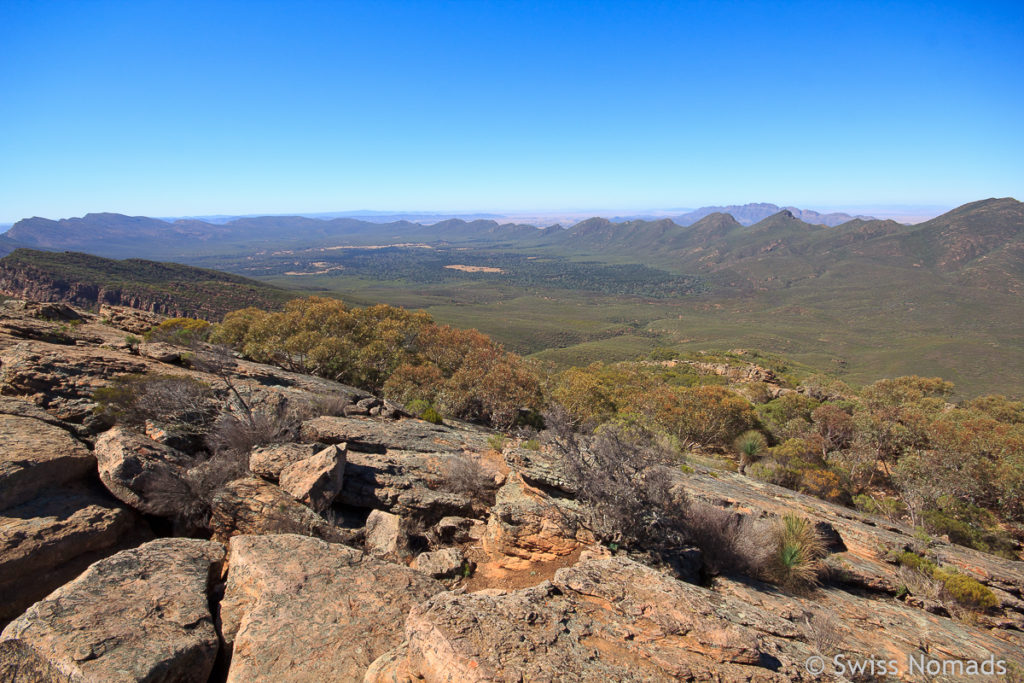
(362, 544)
(34, 284)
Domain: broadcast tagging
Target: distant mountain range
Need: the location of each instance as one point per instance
(116, 235)
(983, 241)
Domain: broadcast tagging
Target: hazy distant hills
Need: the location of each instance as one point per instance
(979, 242)
(748, 214)
(116, 235)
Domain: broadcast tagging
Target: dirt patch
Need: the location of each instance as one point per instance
(475, 269)
(489, 574)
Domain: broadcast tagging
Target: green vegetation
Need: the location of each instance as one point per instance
(402, 354)
(750, 445)
(963, 589)
(180, 331)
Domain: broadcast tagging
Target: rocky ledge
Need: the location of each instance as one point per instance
(360, 544)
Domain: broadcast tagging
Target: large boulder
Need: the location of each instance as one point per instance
(253, 506)
(142, 472)
(35, 455)
(317, 480)
(601, 620)
(139, 615)
(298, 609)
(48, 541)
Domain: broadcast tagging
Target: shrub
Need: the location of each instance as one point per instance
(730, 543)
(465, 474)
(618, 474)
(823, 632)
(824, 484)
(797, 550)
(967, 591)
(239, 434)
(430, 414)
(192, 494)
(497, 442)
(959, 587)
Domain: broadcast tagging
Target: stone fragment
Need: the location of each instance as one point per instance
(317, 480)
(386, 536)
(441, 564)
(268, 461)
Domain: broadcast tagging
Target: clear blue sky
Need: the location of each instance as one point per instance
(177, 108)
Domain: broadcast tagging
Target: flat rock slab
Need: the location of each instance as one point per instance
(139, 615)
(406, 435)
(50, 540)
(605, 619)
(35, 455)
(298, 609)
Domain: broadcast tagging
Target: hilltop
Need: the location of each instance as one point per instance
(168, 511)
(166, 288)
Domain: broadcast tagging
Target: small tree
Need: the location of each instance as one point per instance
(750, 445)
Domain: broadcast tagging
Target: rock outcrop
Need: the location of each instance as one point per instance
(139, 615)
(603, 619)
(48, 541)
(298, 609)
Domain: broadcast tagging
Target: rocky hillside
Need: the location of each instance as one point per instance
(352, 542)
(166, 288)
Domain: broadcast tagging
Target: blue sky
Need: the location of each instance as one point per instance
(179, 108)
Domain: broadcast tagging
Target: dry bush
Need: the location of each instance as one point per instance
(619, 473)
(730, 543)
(823, 632)
(919, 584)
(191, 495)
(179, 404)
(330, 404)
(465, 475)
(239, 434)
